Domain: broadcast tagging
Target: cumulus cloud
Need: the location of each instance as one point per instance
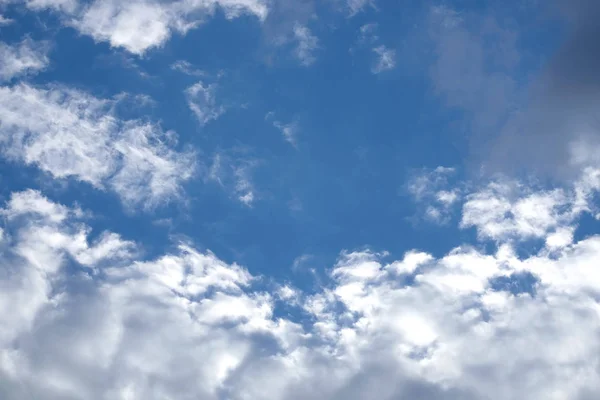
(202, 101)
(90, 319)
(140, 25)
(70, 134)
(23, 58)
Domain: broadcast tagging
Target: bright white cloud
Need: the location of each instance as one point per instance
(202, 101)
(71, 134)
(22, 58)
(90, 320)
(386, 59)
(140, 25)
(500, 211)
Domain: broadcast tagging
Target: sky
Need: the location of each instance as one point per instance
(292, 199)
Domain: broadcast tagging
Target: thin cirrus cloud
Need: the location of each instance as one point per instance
(76, 135)
(443, 327)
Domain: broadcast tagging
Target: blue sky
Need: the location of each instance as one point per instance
(274, 191)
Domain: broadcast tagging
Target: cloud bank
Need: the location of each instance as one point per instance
(92, 319)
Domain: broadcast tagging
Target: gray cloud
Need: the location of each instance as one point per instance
(522, 118)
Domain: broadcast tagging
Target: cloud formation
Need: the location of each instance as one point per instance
(90, 319)
(71, 134)
(545, 124)
(202, 101)
(23, 58)
(141, 25)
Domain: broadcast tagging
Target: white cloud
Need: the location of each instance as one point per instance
(71, 134)
(386, 59)
(306, 45)
(234, 173)
(135, 26)
(187, 68)
(5, 21)
(505, 209)
(140, 25)
(91, 320)
(356, 6)
(430, 189)
(23, 58)
(201, 100)
(289, 130)
(368, 33)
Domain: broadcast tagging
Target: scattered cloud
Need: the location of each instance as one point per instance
(202, 101)
(289, 130)
(187, 68)
(306, 45)
(5, 21)
(368, 34)
(75, 135)
(356, 6)
(233, 172)
(386, 59)
(23, 58)
(431, 190)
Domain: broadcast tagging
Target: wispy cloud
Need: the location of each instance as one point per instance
(202, 101)
(306, 45)
(386, 59)
(76, 135)
(233, 172)
(289, 131)
(187, 68)
(23, 58)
